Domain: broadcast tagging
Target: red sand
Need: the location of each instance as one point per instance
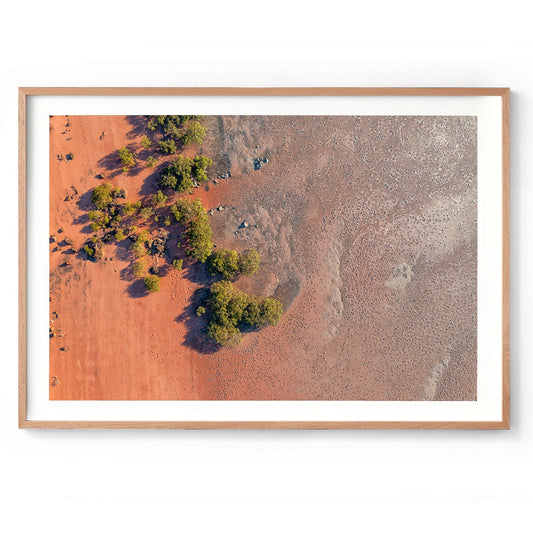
(117, 346)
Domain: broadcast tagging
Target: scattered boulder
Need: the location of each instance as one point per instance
(54, 382)
(259, 162)
(159, 243)
(244, 225)
(220, 208)
(53, 238)
(69, 241)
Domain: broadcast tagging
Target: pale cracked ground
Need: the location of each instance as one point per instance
(367, 226)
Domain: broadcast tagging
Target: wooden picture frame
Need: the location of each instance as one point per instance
(26, 93)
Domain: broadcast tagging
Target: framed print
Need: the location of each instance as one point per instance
(264, 258)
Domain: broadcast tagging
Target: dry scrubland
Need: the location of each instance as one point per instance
(367, 231)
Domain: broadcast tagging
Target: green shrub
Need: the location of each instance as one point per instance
(143, 236)
(102, 195)
(151, 161)
(232, 309)
(168, 180)
(151, 282)
(96, 215)
(249, 262)
(177, 264)
(146, 212)
(159, 199)
(146, 142)
(138, 248)
(200, 311)
(126, 157)
(139, 267)
(224, 334)
(131, 208)
(194, 133)
(168, 147)
(172, 125)
(270, 311)
(119, 235)
(181, 173)
(223, 262)
(200, 165)
(193, 216)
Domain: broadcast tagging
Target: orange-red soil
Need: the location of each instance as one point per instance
(367, 229)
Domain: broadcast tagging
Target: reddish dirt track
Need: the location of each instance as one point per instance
(367, 230)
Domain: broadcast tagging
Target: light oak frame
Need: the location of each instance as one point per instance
(504, 93)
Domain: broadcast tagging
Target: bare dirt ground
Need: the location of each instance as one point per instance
(367, 229)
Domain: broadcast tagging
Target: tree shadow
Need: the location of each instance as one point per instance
(196, 272)
(150, 184)
(112, 163)
(123, 251)
(126, 274)
(195, 336)
(137, 289)
(139, 126)
(85, 204)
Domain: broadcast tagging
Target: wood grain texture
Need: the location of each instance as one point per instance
(504, 93)
(506, 260)
(22, 258)
(266, 91)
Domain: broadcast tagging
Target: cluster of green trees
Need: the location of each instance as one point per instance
(228, 309)
(131, 208)
(151, 283)
(167, 146)
(231, 310)
(107, 213)
(127, 158)
(94, 248)
(104, 194)
(229, 263)
(181, 173)
(146, 142)
(139, 267)
(186, 129)
(193, 217)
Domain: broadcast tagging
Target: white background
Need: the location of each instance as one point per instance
(269, 480)
(488, 113)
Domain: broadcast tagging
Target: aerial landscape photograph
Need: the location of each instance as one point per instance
(263, 257)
